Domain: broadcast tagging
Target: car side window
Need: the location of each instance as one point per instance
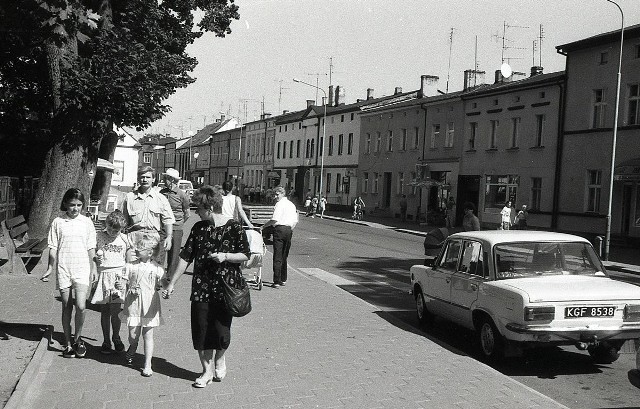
(450, 259)
(472, 260)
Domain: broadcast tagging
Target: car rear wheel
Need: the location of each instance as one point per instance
(490, 341)
(425, 318)
(604, 353)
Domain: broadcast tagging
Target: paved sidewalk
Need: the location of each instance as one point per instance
(309, 344)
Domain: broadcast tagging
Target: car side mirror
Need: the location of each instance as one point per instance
(429, 261)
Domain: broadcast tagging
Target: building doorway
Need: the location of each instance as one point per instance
(468, 191)
(386, 190)
(627, 194)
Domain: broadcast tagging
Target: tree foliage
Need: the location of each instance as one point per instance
(69, 69)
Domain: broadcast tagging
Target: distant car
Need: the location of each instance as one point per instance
(187, 186)
(527, 289)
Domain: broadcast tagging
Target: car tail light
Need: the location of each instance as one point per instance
(632, 312)
(539, 313)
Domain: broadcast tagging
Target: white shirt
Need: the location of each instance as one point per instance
(229, 206)
(285, 213)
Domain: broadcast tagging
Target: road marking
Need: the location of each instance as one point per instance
(327, 276)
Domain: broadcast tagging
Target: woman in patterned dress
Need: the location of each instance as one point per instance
(217, 245)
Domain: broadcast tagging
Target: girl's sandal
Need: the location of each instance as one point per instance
(202, 383)
(129, 357)
(147, 373)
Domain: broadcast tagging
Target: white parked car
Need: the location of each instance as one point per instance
(528, 289)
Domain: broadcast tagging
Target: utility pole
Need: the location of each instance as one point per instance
(317, 84)
(450, 50)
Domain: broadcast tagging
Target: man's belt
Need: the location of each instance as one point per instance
(141, 228)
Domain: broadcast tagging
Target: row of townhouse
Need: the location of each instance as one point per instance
(538, 139)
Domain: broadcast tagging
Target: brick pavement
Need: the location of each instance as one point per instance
(309, 344)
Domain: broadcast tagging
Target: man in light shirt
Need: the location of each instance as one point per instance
(284, 220)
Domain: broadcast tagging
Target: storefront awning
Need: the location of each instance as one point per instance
(273, 174)
(104, 164)
(629, 170)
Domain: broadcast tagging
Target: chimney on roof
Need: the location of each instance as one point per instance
(286, 111)
(310, 103)
(536, 70)
(428, 85)
(369, 93)
(398, 90)
(265, 115)
(473, 78)
(339, 95)
(359, 100)
(330, 95)
(222, 116)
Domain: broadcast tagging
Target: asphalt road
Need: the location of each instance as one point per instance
(373, 264)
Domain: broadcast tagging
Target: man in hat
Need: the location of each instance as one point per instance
(179, 201)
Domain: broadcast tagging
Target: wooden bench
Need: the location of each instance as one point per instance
(258, 215)
(19, 245)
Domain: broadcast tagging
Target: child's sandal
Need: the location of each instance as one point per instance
(129, 357)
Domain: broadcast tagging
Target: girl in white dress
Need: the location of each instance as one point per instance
(142, 301)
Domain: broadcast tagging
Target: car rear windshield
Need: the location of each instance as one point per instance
(516, 260)
(185, 186)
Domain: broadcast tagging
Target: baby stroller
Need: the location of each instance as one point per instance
(258, 249)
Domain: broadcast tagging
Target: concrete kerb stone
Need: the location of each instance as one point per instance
(20, 397)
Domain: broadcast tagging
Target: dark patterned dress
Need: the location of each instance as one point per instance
(210, 322)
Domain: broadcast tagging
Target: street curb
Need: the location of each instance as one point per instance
(19, 397)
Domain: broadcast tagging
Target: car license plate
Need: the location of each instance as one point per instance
(592, 311)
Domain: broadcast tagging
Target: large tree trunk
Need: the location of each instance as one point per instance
(102, 185)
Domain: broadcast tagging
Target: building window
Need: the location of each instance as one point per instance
(400, 188)
(285, 128)
(604, 57)
(341, 118)
(291, 149)
(540, 121)
(338, 184)
(330, 145)
(328, 188)
(416, 137)
(340, 143)
(278, 154)
(599, 108)
(146, 157)
(536, 193)
(403, 141)
(499, 189)
(375, 182)
(542, 94)
(594, 189)
(367, 144)
(494, 134)
(298, 148)
(313, 146)
(636, 51)
(378, 141)
(634, 104)
(390, 142)
(515, 131)
(473, 134)
(350, 144)
(435, 133)
(365, 182)
(448, 141)
(284, 149)
(352, 116)
(306, 152)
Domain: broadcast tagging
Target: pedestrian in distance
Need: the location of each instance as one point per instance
(358, 208)
(322, 206)
(521, 219)
(505, 215)
(314, 206)
(72, 249)
(112, 253)
(142, 310)
(403, 208)
(232, 205)
(307, 204)
(179, 201)
(451, 212)
(470, 222)
(148, 212)
(284, 220)
(217, 245)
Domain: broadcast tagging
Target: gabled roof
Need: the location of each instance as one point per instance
(600, 39)
(293, 116)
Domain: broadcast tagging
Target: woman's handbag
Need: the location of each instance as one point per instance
(236, 295)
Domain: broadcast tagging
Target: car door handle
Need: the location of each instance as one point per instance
(474, 287)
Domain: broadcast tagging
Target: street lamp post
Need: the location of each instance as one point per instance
(324, 129)
(607, 239)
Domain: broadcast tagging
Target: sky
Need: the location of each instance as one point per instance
(379, 44)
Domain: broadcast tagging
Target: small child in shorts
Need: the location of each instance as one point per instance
(142, 300)
(111, 256)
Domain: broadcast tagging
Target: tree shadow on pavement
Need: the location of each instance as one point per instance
(28, 332)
